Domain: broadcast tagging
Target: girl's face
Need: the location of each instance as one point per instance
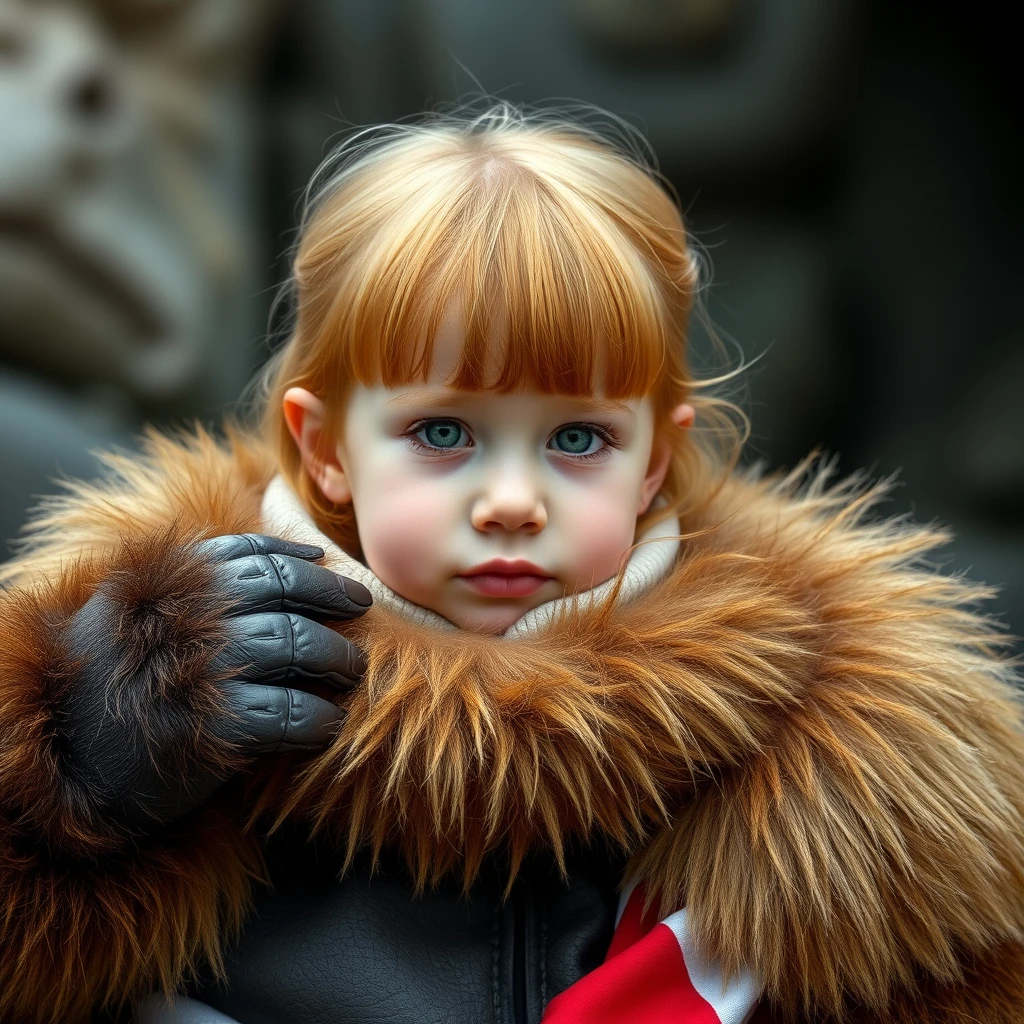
(481, 506)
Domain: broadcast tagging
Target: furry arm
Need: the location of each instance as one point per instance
(91, 914)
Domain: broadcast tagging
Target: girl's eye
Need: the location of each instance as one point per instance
(583, 440)
(574, 440)
(443, 434)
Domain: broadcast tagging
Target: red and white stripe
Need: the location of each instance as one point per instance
(654, 975)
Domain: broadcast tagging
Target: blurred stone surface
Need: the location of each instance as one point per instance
(125, 192)
(131, 252)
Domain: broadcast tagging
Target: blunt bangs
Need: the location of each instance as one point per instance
(523, 239)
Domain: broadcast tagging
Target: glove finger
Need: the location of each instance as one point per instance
(265, 719)
(235, 545)
(282, 648)
(281, 583)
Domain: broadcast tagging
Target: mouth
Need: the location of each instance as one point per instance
(502, 578)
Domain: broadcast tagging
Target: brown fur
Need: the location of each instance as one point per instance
(803, 734)
(91, 914)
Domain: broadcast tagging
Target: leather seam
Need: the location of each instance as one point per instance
(544, 959)
(280, 580)
(289, 714)
(290, 674)
(495, 942)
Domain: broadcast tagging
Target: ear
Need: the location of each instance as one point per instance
(304, 414)
(682, 416)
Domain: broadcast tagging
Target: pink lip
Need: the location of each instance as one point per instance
(502, 578)
(504, 567)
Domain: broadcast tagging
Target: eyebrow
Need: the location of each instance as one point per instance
(453, 398)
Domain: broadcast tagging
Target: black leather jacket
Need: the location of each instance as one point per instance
(367, 950)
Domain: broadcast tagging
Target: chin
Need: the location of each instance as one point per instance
(494, 621)
(477, 624)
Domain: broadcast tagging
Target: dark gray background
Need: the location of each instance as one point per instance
(851, 171)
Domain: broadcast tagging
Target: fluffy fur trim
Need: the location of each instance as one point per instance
(82, 933)
(878, 839)
(804, 734)
(166, 626)
(990, 989)
(191, 485)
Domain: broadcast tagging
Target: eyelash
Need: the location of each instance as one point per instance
(414, 442)
(607, 435)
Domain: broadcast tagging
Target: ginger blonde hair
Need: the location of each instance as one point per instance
(561, 243)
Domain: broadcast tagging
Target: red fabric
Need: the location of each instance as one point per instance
(634, 923)
(642, 981)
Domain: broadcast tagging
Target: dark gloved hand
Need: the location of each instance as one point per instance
(160, 714)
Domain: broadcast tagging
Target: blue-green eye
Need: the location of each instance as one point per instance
(442, 433)
(575, 439)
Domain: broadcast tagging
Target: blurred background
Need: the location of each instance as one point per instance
(851, 169)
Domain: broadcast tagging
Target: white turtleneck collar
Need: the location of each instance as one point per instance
(285, 516)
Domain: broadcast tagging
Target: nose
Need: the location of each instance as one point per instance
(510, 501)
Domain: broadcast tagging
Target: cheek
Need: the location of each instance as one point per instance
(598, 533)
(402, 528)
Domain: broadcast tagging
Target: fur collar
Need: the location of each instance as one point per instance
(802, 732)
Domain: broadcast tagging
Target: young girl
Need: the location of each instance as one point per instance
(580, 676)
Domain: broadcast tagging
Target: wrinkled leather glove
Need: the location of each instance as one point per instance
(159, 715)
